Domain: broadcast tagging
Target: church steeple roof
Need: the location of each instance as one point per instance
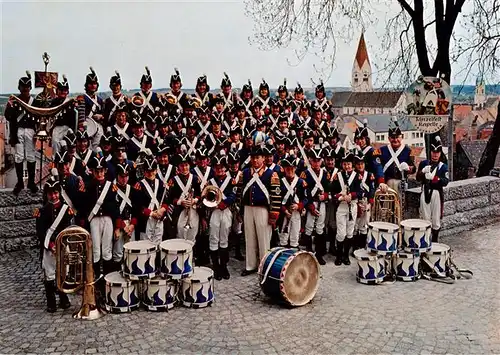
(362, 53)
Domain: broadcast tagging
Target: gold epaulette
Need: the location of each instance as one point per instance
(303, 175)
(114, 188)
(377, 152)
(275, 178)
(36, 213)
(137, 186)
(81, 185)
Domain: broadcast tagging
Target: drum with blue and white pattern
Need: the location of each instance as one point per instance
(176, 258)
(121, 294)
(406, 266)
(197, 291)
(437, 259)
(371, 267)
(159, 294)
(139, 260)
(382, 238)
(416, 235)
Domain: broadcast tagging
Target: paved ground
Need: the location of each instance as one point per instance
(344, 317)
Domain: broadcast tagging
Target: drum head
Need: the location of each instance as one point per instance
(202, 273)
(142, 245)
(301, 279)
(439, 248)
(176, 245)
(91, 127)
(383, 226)
(415, 224)
(363, 254)
(116, 278)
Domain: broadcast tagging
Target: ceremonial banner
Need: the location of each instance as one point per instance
(428, 103)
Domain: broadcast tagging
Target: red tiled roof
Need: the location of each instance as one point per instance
(362, 53)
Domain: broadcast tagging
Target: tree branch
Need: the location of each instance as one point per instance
(406, 6)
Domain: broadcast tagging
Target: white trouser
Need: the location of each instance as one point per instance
(101, 230)
(345, 227)
(194, 222)
(237, 226)
(154, 231)
(96, 139)
(331, 214)
(58, 134)
(257, 235)
(311, 219)
(395, 185)
(293, 230)
(25, 148)
(220, 226)
(363, 220)
(49, 265)
(431, 211)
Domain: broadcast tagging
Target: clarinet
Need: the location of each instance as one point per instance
(347, 191)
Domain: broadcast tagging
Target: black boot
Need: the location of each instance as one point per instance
(224, 259)
(354, 244)
(320, 243)
(338, 253)
(50, 294)
(97, 270)
(107, 267)
(345, 254)
(31, 178)
(20, 179)
(64, 302)
(362, 241)
(435, 235)
(215, 264)
(332, 234)
(307, 242)
(237, 247)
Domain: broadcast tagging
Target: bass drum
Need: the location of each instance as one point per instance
(91, 127)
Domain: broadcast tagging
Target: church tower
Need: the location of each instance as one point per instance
(361, 69)
(479, 94)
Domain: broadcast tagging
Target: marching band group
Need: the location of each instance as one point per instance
(138, 169)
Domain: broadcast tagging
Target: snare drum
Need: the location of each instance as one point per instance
(198, 290)
(371, 267)
(382, 237)
(139, 260)
(121, 294)
(289, 276)
(406, 266)
(437, 259)
(176, 258)
(416, 235)
(159, 294)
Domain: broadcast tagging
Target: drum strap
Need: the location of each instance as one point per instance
(149, 134)
(203, 129)
(116, 103)
(54, 225)
(203, 177)
(142, 144)
(224, 184)
(366, 150)
(72, 165)
(317, 180)
(290, 189)
(154, 200)
(23, 112)
(125, 197)
(67, 199)
(307, 121)
(247, 160)
(337, 148)
(100, 200)
(164, 178)
(192, 146)
(122, 131)
(94, 106)
(304, 155)
(363, 182)
(270, 265)
(274, 122)
(256, 179)
(394, 157)
(184, 188)
(334, 172)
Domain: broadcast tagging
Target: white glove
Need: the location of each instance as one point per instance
(427, 169)
(428, 176)
(404, 166)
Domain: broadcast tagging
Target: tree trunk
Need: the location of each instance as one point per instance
(490, 152)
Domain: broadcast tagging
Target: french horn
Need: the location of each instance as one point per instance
(137, 101)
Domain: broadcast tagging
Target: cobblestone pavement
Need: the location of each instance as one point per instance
(344, 317)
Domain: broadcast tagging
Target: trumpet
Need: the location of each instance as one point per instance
(188, 226)
(138, 101)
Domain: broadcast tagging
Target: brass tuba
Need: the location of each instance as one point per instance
(74, 269)
(211, 196)
(386, 207)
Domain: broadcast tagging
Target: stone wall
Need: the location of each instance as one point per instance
(468, 204)
(17, 226)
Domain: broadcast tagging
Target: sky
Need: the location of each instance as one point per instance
(198, 37)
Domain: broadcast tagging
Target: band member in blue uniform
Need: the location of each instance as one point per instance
(221, 217)
(246, 97)
(233, 159)
(22, 134)
(365, 201)
(433, 174)
(106, 144)
(321, 101)
(261, 202)
(51, 219)
(119, 156)
(121, 126)
(396, 160)
(83, 155)
(101, 212)
(125, 220)
(94, 106)
(203, 122)
(139, 141)
(150, 98)
(202, 91)
(116, 101)
(346, 190)
(318, 192)
(65, 119)
(151, 119)
(329, 157)
(175, 90)
(269, 152)
(282, 94)
(293, 201)
(150, 202)
(263, 97)
(372, 163)
(334, 142)
(227, 94)
(298, 99)
(305, 150)
(165, 172)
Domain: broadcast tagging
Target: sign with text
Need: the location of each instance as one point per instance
(428, 103)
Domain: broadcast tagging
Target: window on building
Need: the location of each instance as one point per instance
(413, 134)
